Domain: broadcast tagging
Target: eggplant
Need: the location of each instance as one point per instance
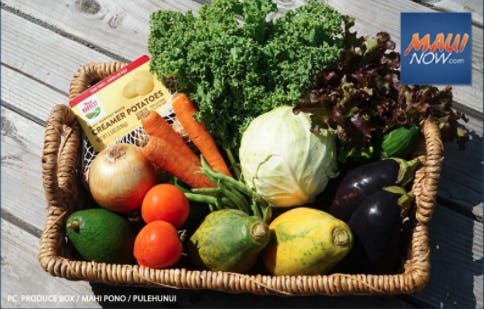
(376, 226)
(367, 179)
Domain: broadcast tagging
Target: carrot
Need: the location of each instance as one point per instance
(162, 154)
(155, 125)
(167, 149)
(198, 133)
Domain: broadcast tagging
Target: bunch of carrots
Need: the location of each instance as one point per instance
(167, 149)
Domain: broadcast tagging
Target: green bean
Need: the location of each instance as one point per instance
(236, 193)
(209, 191)
(230, 181)
(177, 183)
(239, 200)
(233, 163)
(200, 198)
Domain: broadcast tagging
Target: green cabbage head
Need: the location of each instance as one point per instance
(283, 160)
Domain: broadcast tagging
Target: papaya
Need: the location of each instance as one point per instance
(306, 241)
(228, 240)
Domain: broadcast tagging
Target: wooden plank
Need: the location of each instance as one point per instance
(38, 100)
(128, 36)
(21, 169)
(46, 56)
(460, 185)
(456, 259)
(26, 285)
(472, 6)
(120, 27)
(22, 142)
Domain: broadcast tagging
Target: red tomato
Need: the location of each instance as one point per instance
(157, 245)
(165, 202)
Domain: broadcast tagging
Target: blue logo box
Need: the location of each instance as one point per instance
(436, 48)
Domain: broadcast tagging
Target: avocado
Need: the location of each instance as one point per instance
(100, 235)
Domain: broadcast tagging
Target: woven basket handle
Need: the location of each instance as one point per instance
(60, 156)
(433, 166)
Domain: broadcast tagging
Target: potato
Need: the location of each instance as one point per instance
(130, 90)
(144, 84)
(141, 84)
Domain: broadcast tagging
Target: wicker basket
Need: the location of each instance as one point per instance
(63, 190)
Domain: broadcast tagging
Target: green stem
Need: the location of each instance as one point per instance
(255, 210)
(405, 200)
(265, 214)
(233, 163)
(407, 170)
(264, 207)
(74, 225)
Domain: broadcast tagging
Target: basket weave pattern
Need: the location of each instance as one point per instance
(61, 177)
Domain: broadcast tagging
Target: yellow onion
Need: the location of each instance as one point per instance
(119, 178)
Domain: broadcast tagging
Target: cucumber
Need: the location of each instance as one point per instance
(400, 142)
(228, 240)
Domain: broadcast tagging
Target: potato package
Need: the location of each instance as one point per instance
(113, 107)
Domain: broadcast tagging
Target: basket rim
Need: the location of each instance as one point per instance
(59, 164)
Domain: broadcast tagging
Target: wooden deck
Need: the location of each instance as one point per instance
(44, 42)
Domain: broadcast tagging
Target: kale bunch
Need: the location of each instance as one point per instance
(236, 63)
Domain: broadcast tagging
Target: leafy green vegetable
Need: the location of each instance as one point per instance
(362, 98)
(287, 165)
(236, 65)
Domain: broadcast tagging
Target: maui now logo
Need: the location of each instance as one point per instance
(437, 48)
(439, 51)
